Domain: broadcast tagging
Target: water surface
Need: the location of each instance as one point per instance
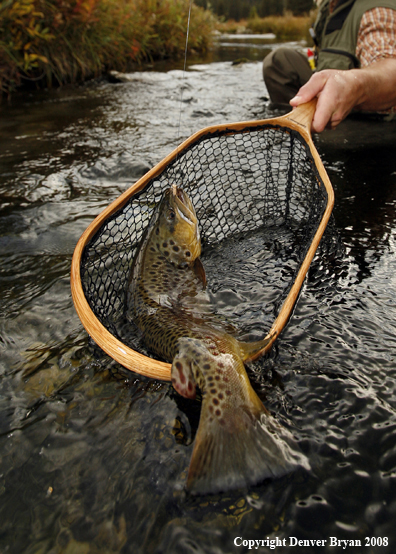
(92, 457)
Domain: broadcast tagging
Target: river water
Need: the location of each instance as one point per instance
(93, 457)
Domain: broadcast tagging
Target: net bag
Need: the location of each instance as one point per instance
(240, 177)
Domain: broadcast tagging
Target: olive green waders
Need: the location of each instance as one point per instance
(285, 71)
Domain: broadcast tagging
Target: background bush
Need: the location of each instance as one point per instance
(286, 27)
(60, 41)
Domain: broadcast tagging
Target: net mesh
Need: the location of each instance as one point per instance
(238, 181)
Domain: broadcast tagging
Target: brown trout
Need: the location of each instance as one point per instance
(237, 443)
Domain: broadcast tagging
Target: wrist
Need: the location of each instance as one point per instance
(363, 88)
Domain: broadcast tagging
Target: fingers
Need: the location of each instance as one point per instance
(336, 97)
(311, 89)
(327, 112)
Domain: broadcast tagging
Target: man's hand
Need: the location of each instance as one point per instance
(372, 88)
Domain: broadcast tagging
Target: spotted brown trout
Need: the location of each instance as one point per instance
(237, 443)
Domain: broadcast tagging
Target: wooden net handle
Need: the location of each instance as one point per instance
(303, 115)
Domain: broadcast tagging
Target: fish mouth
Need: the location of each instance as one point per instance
(183, 205)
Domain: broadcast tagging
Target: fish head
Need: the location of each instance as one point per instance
(176, 232)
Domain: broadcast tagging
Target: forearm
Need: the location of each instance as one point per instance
(376, 85)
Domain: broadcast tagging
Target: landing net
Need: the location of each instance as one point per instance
(239, 180)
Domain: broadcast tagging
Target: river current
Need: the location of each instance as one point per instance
(92, 457)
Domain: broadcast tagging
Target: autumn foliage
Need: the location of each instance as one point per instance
(59, 41)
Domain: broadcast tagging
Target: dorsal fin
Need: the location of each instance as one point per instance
(250, 351)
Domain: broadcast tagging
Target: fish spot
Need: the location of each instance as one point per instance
(221, 395)
(166, 252)
(218, 412)
(228, 392)
(188, 253)
(221, 365)
(210, 378)
(217, 377)
(206, 366)
(176, 249)
(165, 244)
(157, 231)
(213, 391)
(225, 379)
(216, 401)
(171, 242)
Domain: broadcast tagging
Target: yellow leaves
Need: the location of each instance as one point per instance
(22, 8)
(25, 34)
(34, 57)
(32, 60)
(35, 31)
(25, 31)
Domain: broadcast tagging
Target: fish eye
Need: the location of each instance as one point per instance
(171, 214)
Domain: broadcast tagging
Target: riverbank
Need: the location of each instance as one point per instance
(48, 43)
(53, 42)
(285, 28)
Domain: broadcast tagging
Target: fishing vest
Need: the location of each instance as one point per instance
(336, 33)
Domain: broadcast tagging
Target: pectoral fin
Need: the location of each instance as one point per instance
(199, 271)
(182, 376)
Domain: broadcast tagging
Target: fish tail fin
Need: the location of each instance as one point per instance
(238, 443)
(242, 450)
